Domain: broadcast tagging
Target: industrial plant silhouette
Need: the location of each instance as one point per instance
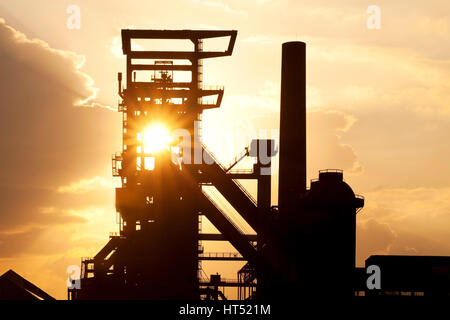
(303, 246)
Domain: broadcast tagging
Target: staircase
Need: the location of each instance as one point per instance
(232, 190)
(101, 264)
(228, 228)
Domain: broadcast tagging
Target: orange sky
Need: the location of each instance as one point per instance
(378, 107)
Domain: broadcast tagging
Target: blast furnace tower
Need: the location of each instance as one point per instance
(164, 169)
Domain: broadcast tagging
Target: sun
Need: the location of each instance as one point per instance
(155, 138)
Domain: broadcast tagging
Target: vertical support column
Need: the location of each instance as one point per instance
(264, 163)
(194, 99)
(129, 71)
(292, 171)
(264, 149)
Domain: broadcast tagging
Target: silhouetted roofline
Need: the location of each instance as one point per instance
(23, 283)
(193, 35)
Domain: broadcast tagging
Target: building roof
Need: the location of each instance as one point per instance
(15, 287)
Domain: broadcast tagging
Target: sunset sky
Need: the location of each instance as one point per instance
(378, 107)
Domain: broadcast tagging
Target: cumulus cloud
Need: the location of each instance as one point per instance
(404, 221)
(374, 238)
(85, 185)
(52, 64)
(48, 138)
(325, 146)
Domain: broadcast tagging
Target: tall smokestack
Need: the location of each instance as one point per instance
(292, 169)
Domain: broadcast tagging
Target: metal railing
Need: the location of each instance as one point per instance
(212, 87)
(331, 170)
(116, 164)
(358, 196)
(247, 171)
(222, 212)
(202, 276)
(208, 102)
(249, 196)
(213, 157)
(222, 280)
(221, 255)
(238, 158)
(247, 274)
(237, 183)
(86, 259)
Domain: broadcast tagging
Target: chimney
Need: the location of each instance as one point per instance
(292, 168)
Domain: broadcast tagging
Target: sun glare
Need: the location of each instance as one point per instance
(155, 138)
